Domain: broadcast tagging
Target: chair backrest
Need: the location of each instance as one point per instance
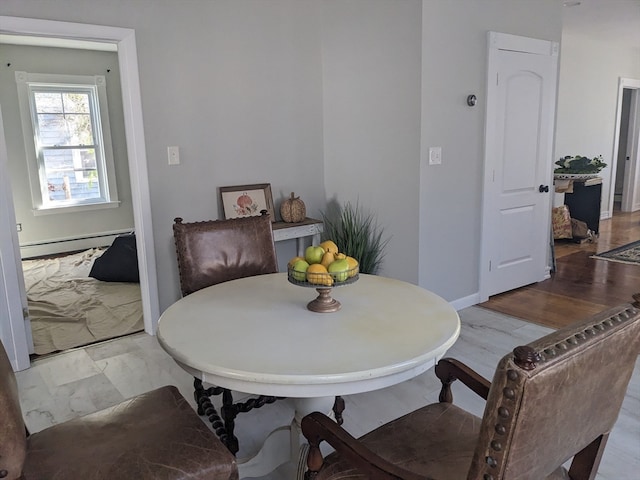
(217, 251)
(13, 435)
(558, 398)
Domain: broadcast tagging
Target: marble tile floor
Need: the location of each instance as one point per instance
(81, 381)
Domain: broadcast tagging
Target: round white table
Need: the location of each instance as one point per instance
(256, 335)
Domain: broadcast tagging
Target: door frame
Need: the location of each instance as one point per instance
(15, 333)
(125, 40)
(631, 179)
(495, 42)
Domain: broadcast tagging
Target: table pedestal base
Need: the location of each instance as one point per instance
(286, 443)
(324, 303)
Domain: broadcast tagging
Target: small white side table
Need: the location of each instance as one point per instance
(309, 227)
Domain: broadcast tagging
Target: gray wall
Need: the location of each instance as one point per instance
(72, 62)
(454, 64)
(333, 99)
(371, 109)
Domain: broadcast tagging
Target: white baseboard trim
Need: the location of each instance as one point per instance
(70, 244)
(465, 302)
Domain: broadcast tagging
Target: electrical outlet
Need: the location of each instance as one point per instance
(174, 155)
(435, 155)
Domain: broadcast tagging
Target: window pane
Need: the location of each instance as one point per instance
(79, 129)
(48, 102)
(71, 174)
(76, 102)
(65, 130)
(53, 129)
(69, 166)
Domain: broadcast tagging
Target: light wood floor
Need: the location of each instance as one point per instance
(581, 286)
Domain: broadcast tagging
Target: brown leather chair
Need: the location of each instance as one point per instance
(213, 252)
(151, 436)
(551, 401)
(217, 251)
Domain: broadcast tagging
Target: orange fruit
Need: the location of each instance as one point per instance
(353, 263)
(319, 275)
(329, 246)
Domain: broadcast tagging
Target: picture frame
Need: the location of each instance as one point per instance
(240, 201)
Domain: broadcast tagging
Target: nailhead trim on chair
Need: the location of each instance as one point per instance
(504, 412)
(528, 359)
(580, 337)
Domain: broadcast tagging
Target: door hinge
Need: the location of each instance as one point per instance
(25, 313)
(489, 265)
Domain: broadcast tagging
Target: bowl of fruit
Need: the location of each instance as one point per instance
(323, 267)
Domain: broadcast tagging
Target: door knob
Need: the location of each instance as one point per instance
(543, 188)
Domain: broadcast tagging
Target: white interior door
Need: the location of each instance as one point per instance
(15, 332)
(631, 189)
(520, 117)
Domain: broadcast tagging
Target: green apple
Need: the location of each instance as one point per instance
(339, 270)
(300, 270)
(313, 254)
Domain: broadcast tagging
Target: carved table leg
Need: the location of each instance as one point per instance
(206, 408)
(198, 393)
(229, 412)
(338, 408)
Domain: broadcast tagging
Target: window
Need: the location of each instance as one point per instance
(68, 142)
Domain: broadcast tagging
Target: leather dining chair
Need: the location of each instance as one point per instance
(551, 401)
(156, 435)
(217, 251)
(212, 252)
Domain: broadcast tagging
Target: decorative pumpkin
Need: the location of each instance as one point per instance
(293, 210)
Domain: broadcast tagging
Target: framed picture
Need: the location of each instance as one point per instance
(247, 200)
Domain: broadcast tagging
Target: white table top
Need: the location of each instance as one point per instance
(255, 335)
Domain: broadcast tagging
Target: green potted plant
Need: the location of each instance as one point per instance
(578, 165)
(357, 234)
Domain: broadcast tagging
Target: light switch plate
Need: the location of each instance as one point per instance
(435, 155)
(174, 155)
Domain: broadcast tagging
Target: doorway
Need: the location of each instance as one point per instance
(625, 173)
(14, 323)
(519, 126)
(68, 308)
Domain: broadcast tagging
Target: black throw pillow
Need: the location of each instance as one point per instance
(119, 263)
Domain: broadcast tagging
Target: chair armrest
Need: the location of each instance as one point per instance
(317, 427)
(449, 369)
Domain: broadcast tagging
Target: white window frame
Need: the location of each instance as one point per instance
(104, 158)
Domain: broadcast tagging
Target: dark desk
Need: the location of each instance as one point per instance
(584, 202)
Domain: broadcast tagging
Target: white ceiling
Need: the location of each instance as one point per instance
(607, 20)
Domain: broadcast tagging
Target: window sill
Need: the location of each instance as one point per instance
(74, 208)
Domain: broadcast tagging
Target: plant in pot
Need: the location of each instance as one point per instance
(357, 234)
(579, 165)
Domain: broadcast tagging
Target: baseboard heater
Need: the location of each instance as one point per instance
(69, 244)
